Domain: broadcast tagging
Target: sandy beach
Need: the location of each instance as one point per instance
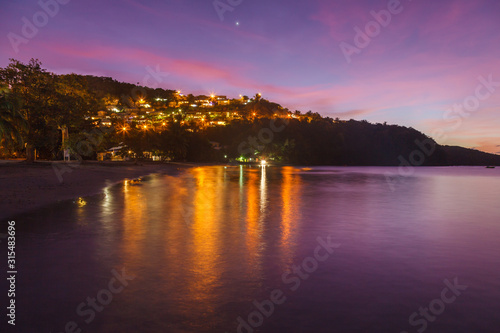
(25, 187)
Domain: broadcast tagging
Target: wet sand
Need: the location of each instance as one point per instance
(25, 187)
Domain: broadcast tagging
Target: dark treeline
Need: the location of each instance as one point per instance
(323, 141)
(36, 106)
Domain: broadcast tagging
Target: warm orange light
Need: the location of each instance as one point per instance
(124, 128)
(164, 124)
(145, 126)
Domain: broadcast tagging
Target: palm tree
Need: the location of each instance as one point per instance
(12, 122)
(176, 139)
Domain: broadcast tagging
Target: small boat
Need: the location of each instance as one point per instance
(490, 167)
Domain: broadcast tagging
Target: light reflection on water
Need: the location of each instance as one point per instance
(204, 244)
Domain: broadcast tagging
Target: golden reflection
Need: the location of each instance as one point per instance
(290, 203)
(133, 218)
(206, 228)
(81, 211)
(203, 215)
(81, 202)
(252, 201)
(263, 192)
(253, 223)
(181, 218)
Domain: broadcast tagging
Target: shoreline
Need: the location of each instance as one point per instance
(26, 187)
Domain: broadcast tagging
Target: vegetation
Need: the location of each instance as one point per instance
(11, 121)
(47, 102)
(101, 113)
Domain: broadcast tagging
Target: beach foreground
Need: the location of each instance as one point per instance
(25, 187)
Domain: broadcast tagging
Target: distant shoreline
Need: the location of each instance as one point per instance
(26, 187)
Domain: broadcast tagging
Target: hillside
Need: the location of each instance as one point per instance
(463, 156)
(165, 124)
(323, 141)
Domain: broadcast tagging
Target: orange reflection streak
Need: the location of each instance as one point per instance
(253, 226)
(205, 234)
(290, 198)
(133, 217)
(178, 220)
(81, 211)
(263, 192)
(252, 202)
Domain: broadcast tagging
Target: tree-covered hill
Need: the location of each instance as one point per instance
(37, 106)
(463, 156)
(328, 142)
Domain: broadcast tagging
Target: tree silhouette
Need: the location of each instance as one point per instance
(12, 122)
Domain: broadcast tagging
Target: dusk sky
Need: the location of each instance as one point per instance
(428, 67)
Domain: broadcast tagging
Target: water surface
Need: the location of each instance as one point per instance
(204, 245)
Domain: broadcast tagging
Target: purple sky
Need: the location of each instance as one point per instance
(421, 68)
